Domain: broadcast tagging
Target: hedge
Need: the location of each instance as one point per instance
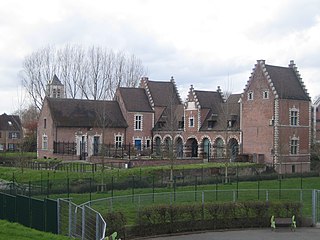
(167, 219)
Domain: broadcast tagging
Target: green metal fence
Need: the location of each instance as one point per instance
(30, 212)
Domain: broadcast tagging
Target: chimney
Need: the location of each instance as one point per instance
(292, 64)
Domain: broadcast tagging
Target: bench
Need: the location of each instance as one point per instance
(281, 222)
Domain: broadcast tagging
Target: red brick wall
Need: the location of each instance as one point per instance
(317, 109)
(258, 134)
(48, 131)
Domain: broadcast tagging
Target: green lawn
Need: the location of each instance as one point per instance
(25, 174)
(19, 232)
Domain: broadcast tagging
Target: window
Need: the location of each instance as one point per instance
(44, 123)
(191, 122)
(181, 124)
(210, 124)
(294, 146)
(44, 142)
(250, 95)
(293, 117)
(11, 147)
(148, 143)
(0, 134)
(293, 168)
(54, 93)
(265, 94)
(14, 135)
(118, 141)
(58, 93)
(138, 122)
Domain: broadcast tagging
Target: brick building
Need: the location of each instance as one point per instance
(75, 129)
(276, 118)
(316, 121)
(270, 120)
(10, 132)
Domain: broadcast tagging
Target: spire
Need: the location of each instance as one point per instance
(55, 89)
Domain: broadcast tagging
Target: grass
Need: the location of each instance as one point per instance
(25, 174)
(243, 191)
(19, 232)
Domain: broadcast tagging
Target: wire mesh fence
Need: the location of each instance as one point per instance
(131, 204)
(81, 222)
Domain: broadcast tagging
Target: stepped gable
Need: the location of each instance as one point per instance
(86, 113)
(285, 82)
(135, 99)
(163, 93)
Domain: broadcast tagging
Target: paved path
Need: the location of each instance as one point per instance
(251, 234)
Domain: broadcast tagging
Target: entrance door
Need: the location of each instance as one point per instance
(83, 148)
(137, 144)
(206, 148)
(194, 148)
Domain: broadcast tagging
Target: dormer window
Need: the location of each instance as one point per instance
(10, 123)
(181, 123)
(210, 124)
(250, 95)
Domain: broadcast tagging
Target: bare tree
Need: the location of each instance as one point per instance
(92, 73)
(72, 68)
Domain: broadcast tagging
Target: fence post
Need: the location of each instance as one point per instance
(195, 188)
(68, 187)
(217, 188)
(58, 216)
(70, 219)
(48, 184)
(314, 207)
(41, 183)
(153, 188)
(132, 188)
(202, 212)
(279, 188)
(174, 188)
(111, 186)
(83, 222)
(258, 189)
(90, 185)
(97, 227)
(129, 151)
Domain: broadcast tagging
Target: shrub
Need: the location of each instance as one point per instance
(116, 222)
(163, 219)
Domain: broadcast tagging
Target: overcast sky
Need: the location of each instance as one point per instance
(207, 43)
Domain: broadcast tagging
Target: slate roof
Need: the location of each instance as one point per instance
(163, 93)
(218, 110)
(286, 83)
(10, 123)
(56, 81)
(209, 100)
(86, 113)
(135, 99)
